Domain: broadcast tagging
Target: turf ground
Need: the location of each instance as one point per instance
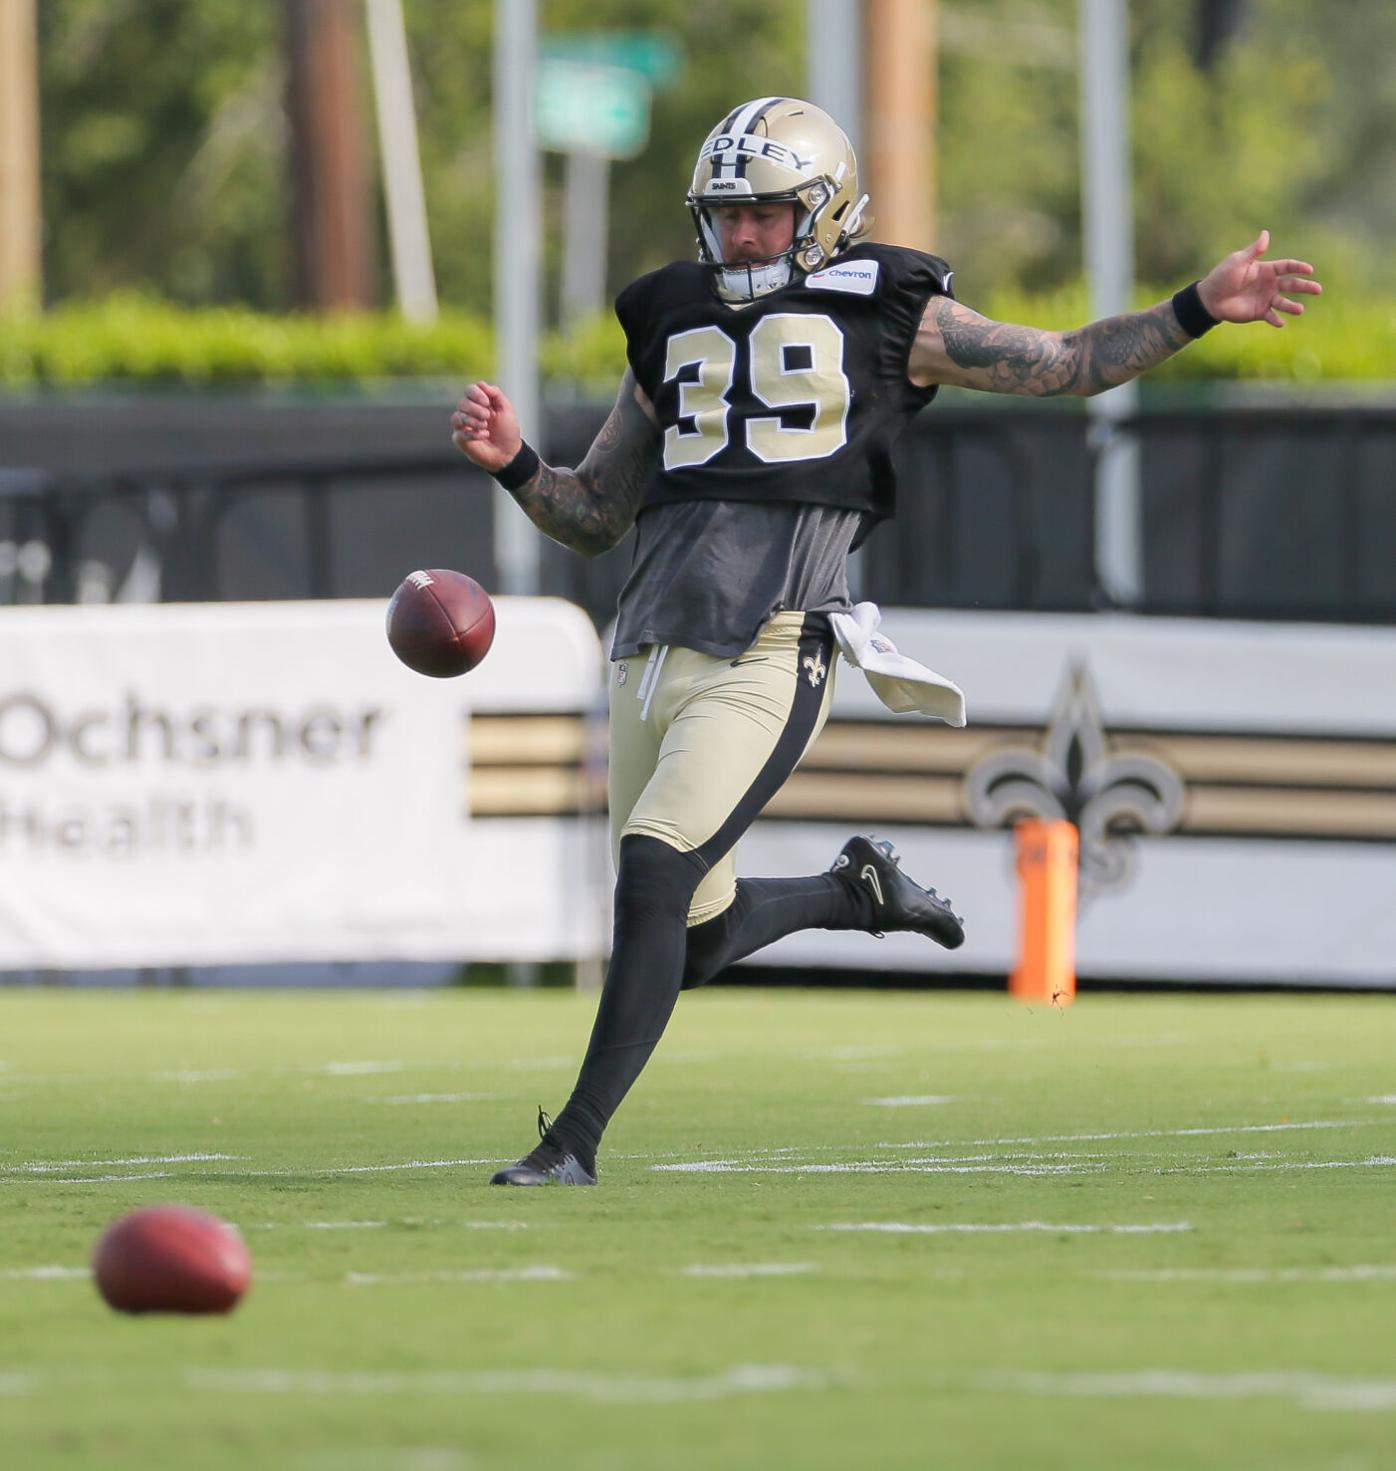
(881, 1230)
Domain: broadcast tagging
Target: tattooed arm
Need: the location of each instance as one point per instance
(590, 508)
(955, 345)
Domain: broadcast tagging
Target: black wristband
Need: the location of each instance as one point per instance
(520, 470)
(1193, 317)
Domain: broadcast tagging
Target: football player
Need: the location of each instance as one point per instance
(750, 446)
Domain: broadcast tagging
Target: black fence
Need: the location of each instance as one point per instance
(1285, 514)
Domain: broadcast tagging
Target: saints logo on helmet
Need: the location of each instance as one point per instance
(769, 151)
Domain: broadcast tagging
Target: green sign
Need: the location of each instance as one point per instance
(590, 107)
(655, 56)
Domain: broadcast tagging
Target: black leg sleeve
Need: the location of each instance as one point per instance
(766, 910)
(654, 885)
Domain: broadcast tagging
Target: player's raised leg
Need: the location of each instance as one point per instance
(864, 890)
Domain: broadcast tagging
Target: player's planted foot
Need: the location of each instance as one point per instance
(898, 903)
(546, 1165)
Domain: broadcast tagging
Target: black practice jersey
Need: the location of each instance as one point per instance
(797, 396)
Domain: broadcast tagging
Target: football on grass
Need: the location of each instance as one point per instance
(440, 623)
(171, 1259)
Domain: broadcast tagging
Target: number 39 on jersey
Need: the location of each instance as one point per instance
(797, 396)
(794, 362)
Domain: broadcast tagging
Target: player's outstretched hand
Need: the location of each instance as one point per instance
(1245, 288)
(485, 428)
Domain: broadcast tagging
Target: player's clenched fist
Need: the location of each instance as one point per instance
(485, 427)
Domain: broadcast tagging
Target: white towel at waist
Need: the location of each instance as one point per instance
(900, 683)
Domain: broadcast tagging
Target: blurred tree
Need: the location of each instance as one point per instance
(1290, 124)
(165, 138)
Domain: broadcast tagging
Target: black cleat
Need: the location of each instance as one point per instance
(546, 1165)
(898, 902)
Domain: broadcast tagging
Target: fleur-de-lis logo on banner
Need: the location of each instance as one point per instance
(1073, 774)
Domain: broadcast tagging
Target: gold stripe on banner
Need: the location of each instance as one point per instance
(1279, 761)
(1285, 812)
(914, 772)
(525, 791)
(533, 739)
(879, 746)
(838, 796)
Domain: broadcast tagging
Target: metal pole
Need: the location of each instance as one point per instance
(834, 62)
(330, 205)
(899, 156)
(19, 157)
(1108, 228)
(414, 281)
(585, 210)
(517, 226)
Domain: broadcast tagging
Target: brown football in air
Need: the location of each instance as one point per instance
(440, 623)
(171, 1259)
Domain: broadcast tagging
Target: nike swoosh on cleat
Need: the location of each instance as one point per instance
(869, 877)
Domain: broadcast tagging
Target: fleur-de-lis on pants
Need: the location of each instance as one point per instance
(1073, 774)
(816, 667)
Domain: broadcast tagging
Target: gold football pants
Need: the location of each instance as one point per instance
(700, 744)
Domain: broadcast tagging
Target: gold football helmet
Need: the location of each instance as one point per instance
(775, 149)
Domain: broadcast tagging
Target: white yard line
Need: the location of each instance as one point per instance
(479, 1274)
(435, 1098)
(853, 1053)
(1309, 1391)
(1361, 1273)
(1237, 1167)
(410, 1164)
(910, 1100)
(89, 1179)
(1138, 1134)
(197, 1075)
(974, 1228)
(48, 1173)
(359, 1069)
(637, 1388)
(46, 1274)
(44, 1167)
(748, 1269)
(413, 1222)
(872, 1167)
(1380, 1098)
(388, 1458)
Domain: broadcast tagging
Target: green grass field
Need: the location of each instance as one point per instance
(1142, 1233)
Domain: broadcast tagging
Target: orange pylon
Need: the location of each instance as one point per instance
(1047, 869)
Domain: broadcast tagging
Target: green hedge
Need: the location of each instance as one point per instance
(1337, 338)
(138, 340)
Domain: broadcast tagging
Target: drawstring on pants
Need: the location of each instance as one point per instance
(649, 680)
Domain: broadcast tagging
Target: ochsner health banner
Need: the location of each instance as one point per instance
(209, 784)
